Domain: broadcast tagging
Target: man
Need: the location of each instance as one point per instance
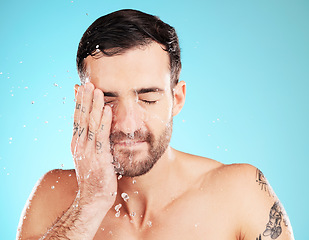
(128, 183)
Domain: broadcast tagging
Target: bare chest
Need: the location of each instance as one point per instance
(184, 220)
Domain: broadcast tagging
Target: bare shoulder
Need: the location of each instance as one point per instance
(252, 201)
(242, 192)
(240, 174)
(53, 194)
(211, 171)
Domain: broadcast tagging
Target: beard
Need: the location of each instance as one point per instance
(125, 160)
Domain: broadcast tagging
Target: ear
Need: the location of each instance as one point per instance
(179, 97)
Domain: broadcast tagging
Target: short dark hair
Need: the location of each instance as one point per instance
(125, 29)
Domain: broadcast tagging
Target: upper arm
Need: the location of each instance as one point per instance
(262, 216)
(50, 198)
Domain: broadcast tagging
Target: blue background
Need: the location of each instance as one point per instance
(246, 64)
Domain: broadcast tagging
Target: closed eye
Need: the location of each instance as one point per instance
(108, 100)
(148, 102)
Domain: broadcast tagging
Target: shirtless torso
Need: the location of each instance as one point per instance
(201, 199)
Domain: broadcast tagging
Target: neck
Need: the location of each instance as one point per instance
(146, 194)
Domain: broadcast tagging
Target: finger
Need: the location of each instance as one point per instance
(103, 132)
(95, 116)
(85, 108)
(76, 124)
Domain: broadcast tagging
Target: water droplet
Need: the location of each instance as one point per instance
(55, 84)
(132, 214)
(79, 158)
(70, 175)
(97, 46)
(113, 193)
(25, 217)
(134, 181)
(149, 223)
(117, 214)
(125, 196)
(119, 177)
(32, 102)
(52, 187)
(136, 192)
(62, 165)
(117, 207)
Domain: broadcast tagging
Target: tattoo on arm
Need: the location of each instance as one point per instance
(76, 129)
(273, 227)
(262, 181)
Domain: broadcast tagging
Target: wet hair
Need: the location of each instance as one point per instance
(119, 31)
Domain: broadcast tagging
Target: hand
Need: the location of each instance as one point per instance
(91, 147)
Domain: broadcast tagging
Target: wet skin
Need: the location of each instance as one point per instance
(181, 197)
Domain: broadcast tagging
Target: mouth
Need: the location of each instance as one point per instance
(129, 143)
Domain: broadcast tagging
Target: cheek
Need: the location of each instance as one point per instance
(159, 115)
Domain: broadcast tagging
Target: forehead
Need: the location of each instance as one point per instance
(136, 68)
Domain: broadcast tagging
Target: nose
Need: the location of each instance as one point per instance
(127, 117)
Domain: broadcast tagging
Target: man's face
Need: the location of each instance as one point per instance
(136, 84)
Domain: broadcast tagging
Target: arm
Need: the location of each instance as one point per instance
(82, 214)
(262, 214)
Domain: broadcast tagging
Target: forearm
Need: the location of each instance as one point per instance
(80, 221)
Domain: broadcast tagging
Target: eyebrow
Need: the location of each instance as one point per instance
(138, 91)
(147, 90)
(110, 94)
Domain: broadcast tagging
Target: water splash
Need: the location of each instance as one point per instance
(125, 196)
(117, 207)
